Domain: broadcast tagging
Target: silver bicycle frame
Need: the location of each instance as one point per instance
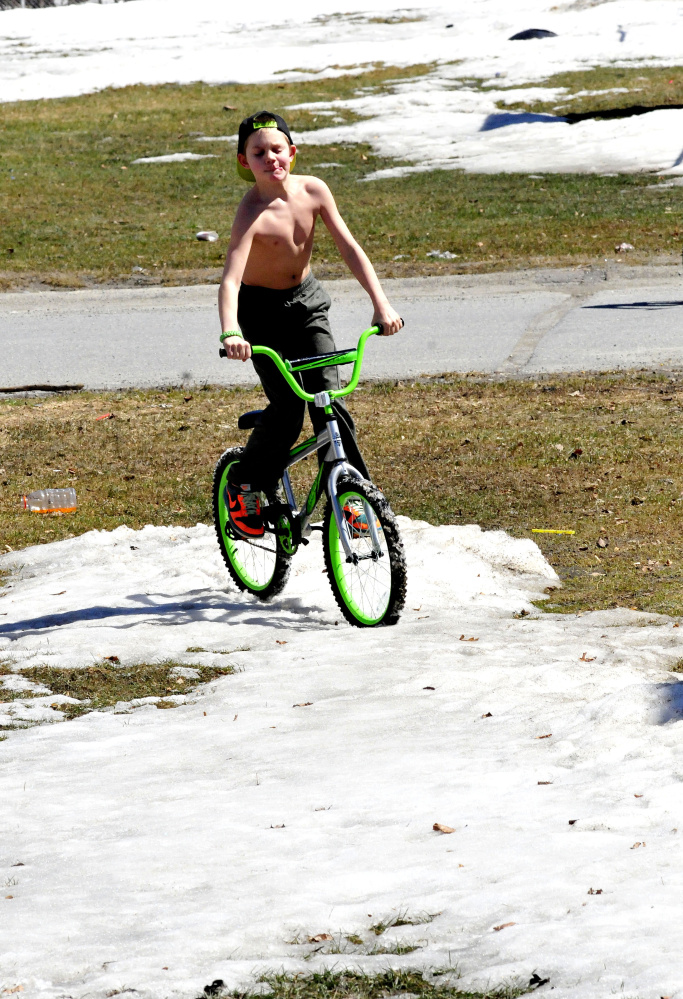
(331, 438)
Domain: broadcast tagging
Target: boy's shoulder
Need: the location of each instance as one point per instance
(306, 185)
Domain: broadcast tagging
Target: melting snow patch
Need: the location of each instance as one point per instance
(175, 158)
(65, 51)
(165, 849)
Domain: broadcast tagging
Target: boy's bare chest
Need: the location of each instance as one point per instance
(285, 226)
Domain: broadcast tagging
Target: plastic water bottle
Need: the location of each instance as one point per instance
(51, 501)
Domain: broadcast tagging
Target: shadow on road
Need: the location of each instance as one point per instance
(650, 306)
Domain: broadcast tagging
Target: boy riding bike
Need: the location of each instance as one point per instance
(269, 296)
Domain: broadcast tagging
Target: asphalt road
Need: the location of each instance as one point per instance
(515, 324)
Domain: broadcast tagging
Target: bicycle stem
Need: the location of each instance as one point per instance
(285, 367)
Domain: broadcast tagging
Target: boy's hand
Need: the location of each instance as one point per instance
(390, 320)
(237, 349)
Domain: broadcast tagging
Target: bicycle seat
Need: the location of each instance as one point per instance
(248, 421)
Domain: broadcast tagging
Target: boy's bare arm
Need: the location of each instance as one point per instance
(236, 260)
(357, 261)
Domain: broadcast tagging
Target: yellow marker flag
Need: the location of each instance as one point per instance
(548, 530)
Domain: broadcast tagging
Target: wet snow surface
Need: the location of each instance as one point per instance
(164, 849)
(448, 118)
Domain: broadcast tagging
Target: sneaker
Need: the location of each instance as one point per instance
(244, 511)
(354, 515)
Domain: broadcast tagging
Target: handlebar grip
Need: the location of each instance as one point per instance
(380, 327)
(222, 352)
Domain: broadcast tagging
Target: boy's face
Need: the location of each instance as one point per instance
(268, 155)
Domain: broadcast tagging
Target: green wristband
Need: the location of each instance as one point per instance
(224, 336)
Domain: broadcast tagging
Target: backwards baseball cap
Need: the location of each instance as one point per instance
(263, 119)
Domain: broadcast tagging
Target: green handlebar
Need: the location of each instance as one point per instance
(284, 367)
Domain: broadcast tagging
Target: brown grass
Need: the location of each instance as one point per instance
(105, 684)
(448, 450)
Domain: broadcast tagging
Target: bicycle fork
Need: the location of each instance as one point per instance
(336, 456)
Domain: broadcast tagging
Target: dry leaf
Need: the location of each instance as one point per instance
(281, 641)
(637, 796)
(278, 827)
(429, 688)
(439, 827)
(319, 937)
(110, 659)
(636, 845)
(17, 988)
(573, 822)
(463, 639)
(595, 891)
(544, 782)
(544, 736)
(487, 715)
(303, 704)
(586, 659)
(502, 926)
(602, 542)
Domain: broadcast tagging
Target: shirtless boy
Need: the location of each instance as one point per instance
(269, 296)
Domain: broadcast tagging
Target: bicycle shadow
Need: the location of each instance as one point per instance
(649, 306)
(165, 610)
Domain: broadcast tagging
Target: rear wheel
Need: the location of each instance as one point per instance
(370, 588)
(260, 567)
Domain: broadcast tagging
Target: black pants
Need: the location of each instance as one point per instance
(294, 323)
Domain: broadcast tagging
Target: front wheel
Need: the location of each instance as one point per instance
(260, 567)
(370, 588)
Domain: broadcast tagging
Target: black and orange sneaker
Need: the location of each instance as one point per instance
(244, 510)
(354, 515)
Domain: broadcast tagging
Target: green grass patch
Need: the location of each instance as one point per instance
(356, 985)
(617, 86)
(597, 454)
(106, 684)
(77, 212)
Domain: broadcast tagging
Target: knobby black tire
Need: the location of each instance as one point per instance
(251, 567)
(387, 577)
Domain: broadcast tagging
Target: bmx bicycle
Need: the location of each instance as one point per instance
(363, 550)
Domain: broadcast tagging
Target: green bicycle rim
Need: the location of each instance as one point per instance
(231, 546)
(340, 568)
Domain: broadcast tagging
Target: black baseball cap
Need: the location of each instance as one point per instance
(263, 119)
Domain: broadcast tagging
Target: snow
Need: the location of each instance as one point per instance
(164, 849)
(449, 118)
(175, 158)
